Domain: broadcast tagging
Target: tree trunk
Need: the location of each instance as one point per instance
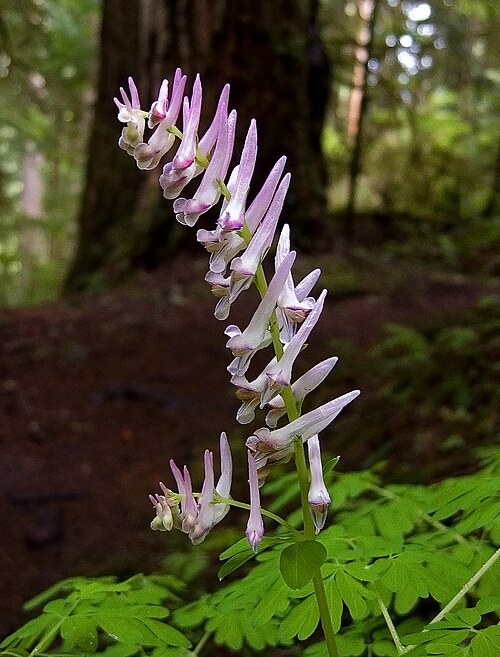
(271, 54)
(358, 105)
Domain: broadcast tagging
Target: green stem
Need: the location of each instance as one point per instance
(425, 516)
(300, 464)
(392, 629)
(243, 505)
(467, 587)
(324, 614)
(463, 591)
(199, 646)
(47, 639)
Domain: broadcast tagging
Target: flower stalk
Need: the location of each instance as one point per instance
(284, 317)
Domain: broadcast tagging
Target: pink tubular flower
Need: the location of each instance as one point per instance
(221, 244)
(271, 447)
(286, 314)
(177, 173)
(300, 388)
(244, 344)
(255, 526)
(162, 116)
(208, 193)
(234, 214)
(318, 496)
(291, 310)
(244, 268)
(181, 510)
(130, 112)
(280, 374)
(259, 206)
(250, 393)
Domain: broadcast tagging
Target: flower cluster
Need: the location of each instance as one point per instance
(237, 244)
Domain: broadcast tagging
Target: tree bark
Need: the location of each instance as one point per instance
(271, 54)
(368, 10)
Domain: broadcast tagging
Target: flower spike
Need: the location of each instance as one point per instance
(285, 315)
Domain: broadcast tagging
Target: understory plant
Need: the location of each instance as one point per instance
(401, 569)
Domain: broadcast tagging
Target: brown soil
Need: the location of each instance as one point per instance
(98, 394)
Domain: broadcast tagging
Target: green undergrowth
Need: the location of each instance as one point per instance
(400, 550)
(431, 394)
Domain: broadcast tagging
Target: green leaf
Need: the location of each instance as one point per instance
(447, 649)
(350, 644)
(275, 602)
(234, 562)
(126, 629)
(227, 630)
(79, 632)
(64, 586)
(167, 634)
(486, 643)
(121, 650)
(301, 561)
(353, 593)
(335, 604)
(32, 630)
(384, 648)
(301, 621)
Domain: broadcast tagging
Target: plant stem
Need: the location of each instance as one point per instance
(243, 505)
(47, 639)
(440, 526)
(466, 588)
(197, 649)
(395, 636)
(463, 591)
(302, 471)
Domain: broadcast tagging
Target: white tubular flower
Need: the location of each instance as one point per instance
(244, 268)
(208, 193)
(221, 244)
(250, 393)
(164, 112)
(244, 344)
(177, 173)
(303, 288)
(255, 526)
(223, 487)
(271, 447)
(233, 216)
(162, 116)
(210, 512)
(195, 518)
(280, 375)
(219, 284)
(259, 206)
(209, 139)
(130, 112)
(318, 497)
(205, 516)
(189, 506)
(163, 521)
(291, 310)
(300, 388)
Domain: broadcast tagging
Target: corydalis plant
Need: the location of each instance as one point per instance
(238, 243)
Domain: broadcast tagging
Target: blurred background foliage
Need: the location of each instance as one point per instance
(411, 136)
(47, 67)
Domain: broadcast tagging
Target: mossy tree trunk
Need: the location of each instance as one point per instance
(271, 54)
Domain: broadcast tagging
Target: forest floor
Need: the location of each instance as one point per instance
(98, 393)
